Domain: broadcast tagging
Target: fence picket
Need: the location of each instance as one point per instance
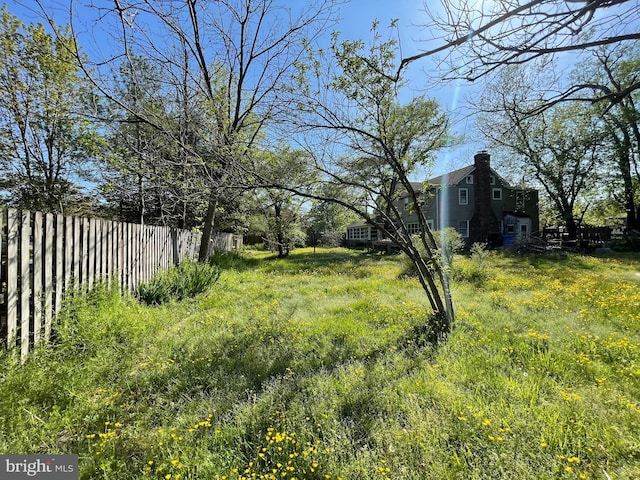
(25, 287)
(129, 261)
(48, 265)
(137, 254)
(84, 252)
(12, 276)
(37, 277)
(76, 252)
(104, 246)
(59, 228)
(68, 251)
(98, 251)
(91, 269)
(131, 249)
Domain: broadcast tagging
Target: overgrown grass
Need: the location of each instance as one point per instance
(186, 280)
(310, 367)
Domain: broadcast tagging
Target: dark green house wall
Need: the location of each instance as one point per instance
(443, 208)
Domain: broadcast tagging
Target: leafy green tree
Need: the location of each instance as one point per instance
(363, 137)
(47, 143)
(613, 70)
(240, 55)
(152, 177)
(327, 221)
(560, 148)
(293, 171)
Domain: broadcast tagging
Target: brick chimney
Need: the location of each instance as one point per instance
(484, 226)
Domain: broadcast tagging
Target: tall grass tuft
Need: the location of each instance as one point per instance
(474, 270)
(186, 280)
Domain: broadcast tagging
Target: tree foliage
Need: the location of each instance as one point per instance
(289, 171)
(364, 138)
(238, 55)
(326, 220)
(559, 148)
(617, 69)
(150, 177)
(47, 141)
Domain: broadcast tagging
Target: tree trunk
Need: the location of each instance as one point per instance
(207, 230)
(279, 235)
(572, 227)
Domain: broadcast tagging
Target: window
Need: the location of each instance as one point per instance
(493, 179)
(430, 224)
(413, 228)
(470, 179)
(463, 228)
(361, 233)
(463, 196)
(406, 203)
(497, 194)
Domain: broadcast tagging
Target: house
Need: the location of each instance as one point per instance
(475, 200)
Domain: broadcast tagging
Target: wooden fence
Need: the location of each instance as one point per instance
(42, 255)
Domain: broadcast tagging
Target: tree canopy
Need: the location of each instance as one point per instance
(48, 142)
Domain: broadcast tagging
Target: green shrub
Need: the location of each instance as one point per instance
(186, 280)
(479, 253)
(470, 272)
(627, 243)
(473, 270)
(449, 241)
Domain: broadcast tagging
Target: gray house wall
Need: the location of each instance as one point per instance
(443, 208)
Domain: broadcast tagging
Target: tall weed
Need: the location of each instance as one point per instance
(186, 280)
(474, 270)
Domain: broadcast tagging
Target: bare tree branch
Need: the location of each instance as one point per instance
(476, 43)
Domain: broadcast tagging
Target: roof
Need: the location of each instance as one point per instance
(417, 186)
(357, 224)
(452, 178)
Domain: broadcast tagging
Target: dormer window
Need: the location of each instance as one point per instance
(469, 179)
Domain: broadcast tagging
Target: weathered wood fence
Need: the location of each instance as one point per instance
(43, 255)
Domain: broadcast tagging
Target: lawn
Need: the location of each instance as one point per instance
(314, 367)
